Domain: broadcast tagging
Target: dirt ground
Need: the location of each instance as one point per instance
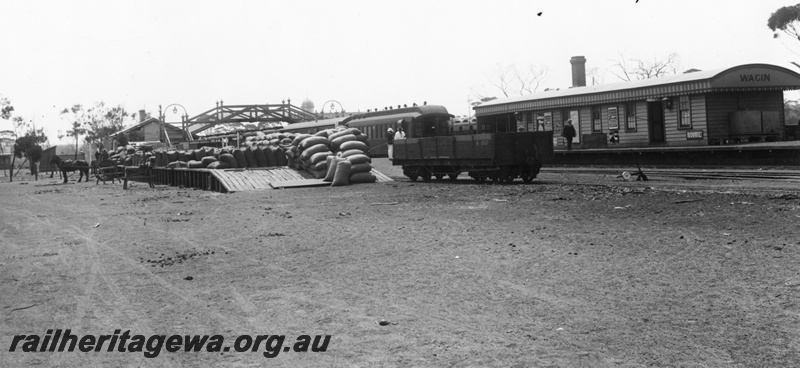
(574, 270)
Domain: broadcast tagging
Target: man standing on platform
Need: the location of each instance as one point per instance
(568, 132)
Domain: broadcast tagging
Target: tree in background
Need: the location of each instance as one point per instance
(19, 125)
(29, 148)
(7, 137)
(511, 80)
(105, 121)
(791, 111)
(629, 69)
(79, 119)
(786, 20)
(5, 108)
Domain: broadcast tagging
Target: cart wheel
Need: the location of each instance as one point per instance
(453, 177)
(426, 176)
(413, 177)
(439, 176)
(528, 178)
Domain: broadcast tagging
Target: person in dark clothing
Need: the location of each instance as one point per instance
(568, 132)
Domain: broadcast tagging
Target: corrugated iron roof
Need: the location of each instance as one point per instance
(689, 83)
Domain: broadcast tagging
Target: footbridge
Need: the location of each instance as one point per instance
(226, 114)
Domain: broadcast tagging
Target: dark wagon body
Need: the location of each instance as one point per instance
(417, 121)
(499, 157)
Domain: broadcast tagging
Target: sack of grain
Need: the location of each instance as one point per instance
(308, 152)
(250, 157)
(228, 159)
(362, 177)
(336, 143)
(319, 156)
(219, 165)
(359, 158)
(351, 152)
(271, 154)
(299, 138)
(312, 141)
(241, 161)
(208, 159)
(261, 158)
(319, 174)
(280, 156)
(362, 167)
(331, 161)
(338, 134)
(346, 146)
(342, 174)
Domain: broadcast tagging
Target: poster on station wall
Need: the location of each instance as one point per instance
(529, 120)
(613, 122)
(548, 121)
(539, 122)
(520, 122)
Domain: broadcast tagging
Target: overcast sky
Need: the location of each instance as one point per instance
(363, 54)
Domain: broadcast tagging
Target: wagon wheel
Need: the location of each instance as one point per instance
(413, 177)
(453, 176)
(426, 175)
(439, 176)
(528, 177)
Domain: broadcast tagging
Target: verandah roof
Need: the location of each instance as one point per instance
(749, 77)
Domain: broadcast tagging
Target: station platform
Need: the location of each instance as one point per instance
(781, 154)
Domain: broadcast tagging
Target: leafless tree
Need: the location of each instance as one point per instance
(637, 68)
(595, 76)
(511, 80)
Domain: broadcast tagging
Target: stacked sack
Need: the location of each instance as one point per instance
(131, 156)
(326, 153)
(262, 150)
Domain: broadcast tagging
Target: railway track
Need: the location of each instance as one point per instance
(689, 174)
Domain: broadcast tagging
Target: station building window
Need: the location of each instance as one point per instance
(630, 116)
(529, 122)
(685, 116)
(597, 125)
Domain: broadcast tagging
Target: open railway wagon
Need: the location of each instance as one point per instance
(500, 157)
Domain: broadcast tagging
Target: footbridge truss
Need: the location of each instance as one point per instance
(225, 114)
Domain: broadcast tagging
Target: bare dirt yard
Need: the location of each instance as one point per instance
(573, 270)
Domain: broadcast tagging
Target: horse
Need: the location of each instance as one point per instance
(71, 166)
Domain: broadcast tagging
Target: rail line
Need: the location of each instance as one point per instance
(689, 174)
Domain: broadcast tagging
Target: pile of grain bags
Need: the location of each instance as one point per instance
(262, 150)
(132, 156)
(320, 154)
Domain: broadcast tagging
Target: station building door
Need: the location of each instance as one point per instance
(655, 121)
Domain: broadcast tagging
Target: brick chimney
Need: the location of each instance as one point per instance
(578, 71)
(143, 115)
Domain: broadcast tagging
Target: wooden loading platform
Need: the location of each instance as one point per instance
(236, 180)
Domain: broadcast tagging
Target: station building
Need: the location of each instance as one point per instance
(737, 105)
